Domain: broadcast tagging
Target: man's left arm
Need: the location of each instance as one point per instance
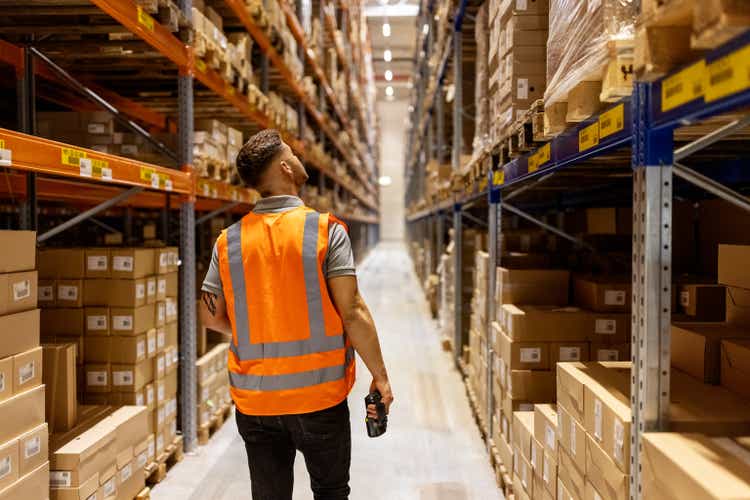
(213, 308)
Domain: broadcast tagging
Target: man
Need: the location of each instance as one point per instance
(282, 283)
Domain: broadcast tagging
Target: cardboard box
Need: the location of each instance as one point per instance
(60, 379)
(128, 350)
(568, 351)
(46, 293)
(18, 292)
(132, 377)
(68, 322)
(563, 493)
(682, 466)
(171, 284)
(523, 430)
(97, 263)
(545, 426)
(703, 302)
(151, 343)
(97, 349)
(115, 292)
(21, 413)
(69, 293)
(571, 477)
(27, 370)
(572, 438)
(533, 386)
(161, 260)
(610, 328)
(160, 313)
(132, 321)
(696, 348)
(611, 294)
(130, 481)
(8, 463)
(33, 449)
(108, 487)
(90, 453)
(532, 286)
(610, 352)
(62, 263)
(549, 471)
(19, 332)
(86, 491)
(733, 268)
(97, 321)
(532, 323)
(738, 306)
(523, 355)
(158, 365)
(606, 478)
(170, 308)
(132, 263)
(6, 377)
(17, 251)
(523, 473)
(735, 366)
(171, 332)
(98, 377)
(537, 458)
(151, 290)
(32, 485)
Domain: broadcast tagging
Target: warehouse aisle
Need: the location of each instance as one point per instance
(432, 450)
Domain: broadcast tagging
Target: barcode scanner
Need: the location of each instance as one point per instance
(376, 426)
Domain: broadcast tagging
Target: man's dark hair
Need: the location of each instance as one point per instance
(256, 155)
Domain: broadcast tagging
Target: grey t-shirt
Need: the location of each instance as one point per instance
(339, 258)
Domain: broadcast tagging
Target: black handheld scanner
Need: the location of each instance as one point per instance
(376, 426)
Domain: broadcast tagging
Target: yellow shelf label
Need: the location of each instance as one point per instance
(146, 174)
(483, 183)
(612, 121)
(539, 158)
(2, 143)
(588, 137)
(728, 75)
(71, 157)
(230, 90)
(498, 178)
(144, 19)
(200, 65)
(683, 87)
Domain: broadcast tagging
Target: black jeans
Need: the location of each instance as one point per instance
(323, 437)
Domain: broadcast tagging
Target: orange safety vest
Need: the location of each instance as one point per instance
(289, 353)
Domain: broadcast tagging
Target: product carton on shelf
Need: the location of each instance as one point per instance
(703, 302)
(18, 292)
(19, 332)
(604, 478)
(98, 263)
(132, 263)
(27, 370)
(532, 323)
(532, 286)
(133, 320)
(603, 294)
(571, 437)
(116, 292)
(21, 413)
(62, 263)
(35, 484)
(17, 251)
(545, 431)
(733, 269)
(67, 322)
(735, 366)
(696, 348)
(69, 293)
(90, 454)
(60, 378)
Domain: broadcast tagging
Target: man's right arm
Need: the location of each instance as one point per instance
(360, 328)
(213, 308)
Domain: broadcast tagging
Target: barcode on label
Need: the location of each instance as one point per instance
(21, 290)
(598, 419)
(26, 373)
(531, 355)
(122, 322)
(96, 323)
(59, 478)
(605, 326)
(614, 297)
(164, 259)
(123, 377)
(140, 291)
(32, 447)
(607, 355)
(5, 467)
(96, 262)
(122, 263)
(96, 379)
(685, 299)
(570, 353)
(151, 288)
(67, 292)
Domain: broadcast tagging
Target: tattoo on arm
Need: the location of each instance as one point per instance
(210, 300)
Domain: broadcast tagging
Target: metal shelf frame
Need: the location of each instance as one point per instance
(645, 124)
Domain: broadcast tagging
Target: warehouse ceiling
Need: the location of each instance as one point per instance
(401, 15)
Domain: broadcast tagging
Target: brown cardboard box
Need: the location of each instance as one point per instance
(17, 251)
(62, 263)
(171, 330)
(132, 321)
(610, 328)
(151, 290)
(150, 394)
(610, 294)
(572, 438)
(171, 359)
(158, 365)
(696, 348)
(137, 398)
(161, 287)
(571, 380)
(533, 386)
(532, 323)
(18, 292)
(97, 263)
(8, 463)
(141, 452)
(130, 481)
(733, 268)
(523, 355)
(735, 366)
(605, 477)
(19, 332)
(132, 377)
(703, 302)
(537, 457)
(171, 285)
(97, 321)
(545, 426)
(523, 471)
(132, 263)
(33, 449)
(83, 492)
(6, 378)
(69, 322)
(572, 478)
(159, 418)
(521, 260)
(97, 349)
(32, 485)
(532, 286)
(692, 466)
(518, 489)
(161, 260)
(170, 307)
(46, 293)
(27, 370)
(610, 352)
(568, 351)
(90, 453)
(174, 259)
(549, 471)
(738, 306)
(98, 377)
(151, 343)
(128, 350)
(115, 292)
(523, 430)
(69, 293)
(21, 413)
(160, 313)
(563, 493)
(60, 379)
(108, 487)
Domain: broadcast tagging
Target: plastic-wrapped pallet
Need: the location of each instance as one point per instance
(481, 130)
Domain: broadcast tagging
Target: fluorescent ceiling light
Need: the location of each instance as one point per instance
(425, 28)
(400, 10)
(388, 75)
(385, 180)
(387, 55)
(386, 30)
(389, 91)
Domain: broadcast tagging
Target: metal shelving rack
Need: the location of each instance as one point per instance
(644, 127)
(89, 177)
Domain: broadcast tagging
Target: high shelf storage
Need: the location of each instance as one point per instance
(679, 136)
(150, 67)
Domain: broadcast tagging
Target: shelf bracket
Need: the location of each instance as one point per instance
(89, 213)
(713, 137)
(710, 185)
(548, 227)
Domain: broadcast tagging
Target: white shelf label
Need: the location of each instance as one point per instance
(531, 355)
(106, 173)
(123, 377)
(168, 185)
(614, 297)
(122, 263)
(85, 168)
(32, 447)
(96, 379)
(96, 322)
(570, 353)
(21, 290)
(67, 292)
(6, 157)
(26, 373)
(96, 262)
(122, 323)
(604, 326)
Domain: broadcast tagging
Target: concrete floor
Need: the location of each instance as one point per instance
(432, 450)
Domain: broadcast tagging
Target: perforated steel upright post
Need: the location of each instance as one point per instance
(652, 274)
(457, 282)
(457, 214)
(188, 326)
(494, 221)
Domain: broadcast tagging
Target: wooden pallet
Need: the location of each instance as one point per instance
(144, 494)
(173, 454)
(206, 431)
(503, 475)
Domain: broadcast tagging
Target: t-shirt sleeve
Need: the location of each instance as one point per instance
(339, 258)
(212, 281)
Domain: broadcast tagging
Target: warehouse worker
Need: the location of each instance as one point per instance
(282, 283)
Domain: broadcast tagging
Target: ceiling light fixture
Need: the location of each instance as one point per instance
(425, 28)
(388, 75)
(389, 91)
(386, 29)
(387, 55)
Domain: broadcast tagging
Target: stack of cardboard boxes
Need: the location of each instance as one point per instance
(24, 469)
(517, 59)
(477, 366)
(213, 384)
(215, 149)
(119, 307)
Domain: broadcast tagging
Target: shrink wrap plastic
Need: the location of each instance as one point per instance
(579, 42)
